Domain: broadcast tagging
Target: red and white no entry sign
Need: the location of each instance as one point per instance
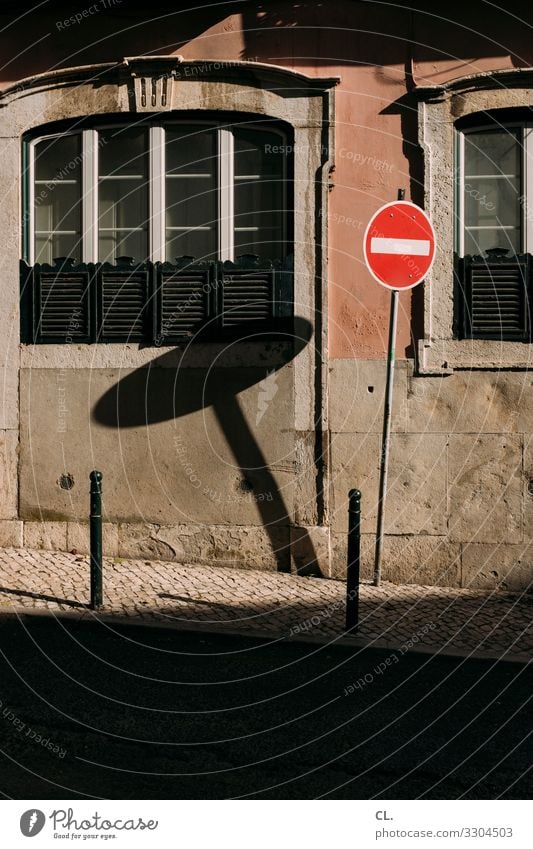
(399, 245)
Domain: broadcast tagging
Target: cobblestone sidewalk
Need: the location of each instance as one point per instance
(465, 622)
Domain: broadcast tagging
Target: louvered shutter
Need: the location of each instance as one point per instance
(496, 302)
(61, 303)
(157, 303)
(124, 303)
(186, 293)
(247, 293)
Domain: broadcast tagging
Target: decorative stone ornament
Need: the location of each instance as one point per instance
(152, 83)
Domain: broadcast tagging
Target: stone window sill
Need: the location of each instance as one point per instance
(443, 356)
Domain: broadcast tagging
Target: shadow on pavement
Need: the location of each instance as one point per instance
(43, 597)
(91, 709)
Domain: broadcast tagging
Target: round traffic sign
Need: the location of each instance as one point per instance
(399, 245)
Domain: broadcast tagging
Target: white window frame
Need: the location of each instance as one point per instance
(30, 217)
(526, 186)
(156, 187)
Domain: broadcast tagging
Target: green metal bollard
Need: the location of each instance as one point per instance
(96, 539)
(354, 560)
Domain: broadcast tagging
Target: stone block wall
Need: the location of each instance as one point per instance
(459, 507)
(460, 504)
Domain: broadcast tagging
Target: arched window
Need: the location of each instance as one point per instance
(157, 191)
(169, 198)
(494, 230)
(154, 230)
(476, 134)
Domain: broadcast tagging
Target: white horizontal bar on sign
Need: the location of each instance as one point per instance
(415, 247)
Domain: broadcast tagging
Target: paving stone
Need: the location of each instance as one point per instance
(465, 620)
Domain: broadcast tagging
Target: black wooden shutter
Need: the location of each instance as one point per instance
(496, 298)
(247, 293)
(157, 303)
(185, 299)
(124, 302)
(61, 303)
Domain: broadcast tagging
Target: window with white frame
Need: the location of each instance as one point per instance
(157, 192)
(202, 196)
(493, 170)
(494, 233)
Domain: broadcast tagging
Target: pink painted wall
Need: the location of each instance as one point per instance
(375, 49)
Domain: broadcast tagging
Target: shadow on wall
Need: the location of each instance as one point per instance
(107, 33)
(315, 34)
(165, 391)
(375, 34)
(302, 35)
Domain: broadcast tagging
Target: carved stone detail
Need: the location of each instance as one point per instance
(153, 93)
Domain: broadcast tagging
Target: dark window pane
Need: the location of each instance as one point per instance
(58, 209)
(58, 158)
(478, 241)
(47, 248)
(123, 152)
(265, 243)
(123, 195)
(191, 150)
(122, 203)
(200, 244)
(191, 192)
(57, 198)
(490, 202)
(191, 203)
(493, 152)
(492, 191)
(122, 243)
(259, 193)
(260, 153)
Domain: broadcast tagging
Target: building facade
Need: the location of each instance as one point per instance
(186, 306)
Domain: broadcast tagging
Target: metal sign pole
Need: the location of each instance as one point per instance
(399, 249)
(387, 416)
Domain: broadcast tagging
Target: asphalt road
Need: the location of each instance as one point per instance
(92, 710)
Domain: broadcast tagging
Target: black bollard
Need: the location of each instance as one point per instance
(354, 560)
(96, 539)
